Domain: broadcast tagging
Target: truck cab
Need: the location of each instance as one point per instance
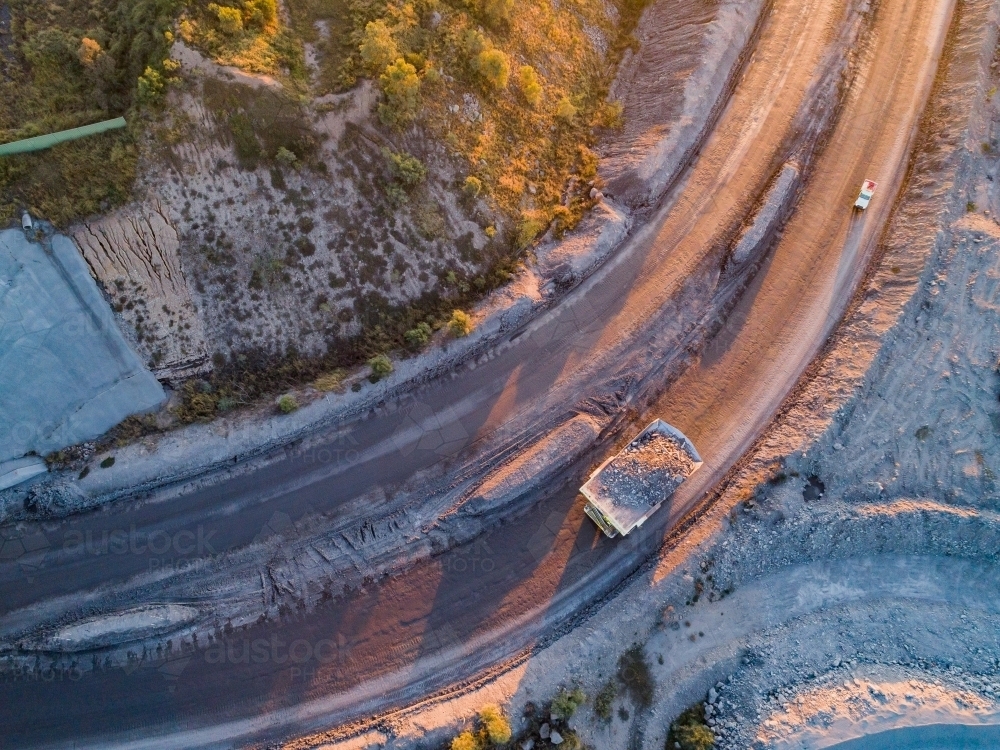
(867, 190)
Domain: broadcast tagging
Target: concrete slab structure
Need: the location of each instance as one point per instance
(20, 470)
(66, 372)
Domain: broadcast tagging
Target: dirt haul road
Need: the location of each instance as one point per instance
(607, 352)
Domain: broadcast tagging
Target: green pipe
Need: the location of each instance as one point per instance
(45, 141)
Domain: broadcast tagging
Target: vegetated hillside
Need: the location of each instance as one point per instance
(377, 167)
(515, 88)
(406, 160)
(68, 64)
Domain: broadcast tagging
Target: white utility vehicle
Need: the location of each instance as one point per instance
(867, 189)
(625, 490)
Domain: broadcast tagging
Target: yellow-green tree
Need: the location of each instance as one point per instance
(401, 91)
(460, 323)
(259, 14)
(531, 87)
(493, 69)
(378, 48)
(565, 110)
(495, 725)
(150, 86)
(230, 19)
(496, 12)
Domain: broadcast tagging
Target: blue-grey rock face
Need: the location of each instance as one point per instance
(66, 373)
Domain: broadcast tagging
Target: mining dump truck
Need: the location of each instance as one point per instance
(626, 489)
(867, 190)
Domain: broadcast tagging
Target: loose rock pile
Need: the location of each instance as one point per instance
(650, 468)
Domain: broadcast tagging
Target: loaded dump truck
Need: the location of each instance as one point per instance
(626, 489)
(867, 190)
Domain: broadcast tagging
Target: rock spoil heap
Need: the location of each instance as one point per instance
(649, 469)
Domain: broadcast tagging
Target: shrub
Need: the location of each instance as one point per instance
(332, 381)
(460, 323)
(565, 110)
(472, 187)
(465, 741)
(417, 337)
(529, 228)
(531, 87)
(571, 741)
(611, 115)
(566, 702)
(381, 365)
(260, 13)
(401, 89)
(690, 732)
(150, 86)
(230, 19)
(89, 52)
(405, 168)
(378, 48)
(108, 462)
(493, 69)
(472, 43)
(605, 699)
(226, 403)
(286, 157)
(287, 403)
(495, 725)
(496, 12)
(198, 404)
(244, 139)
(634, 674)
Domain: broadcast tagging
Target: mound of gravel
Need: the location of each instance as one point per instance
(649, 469)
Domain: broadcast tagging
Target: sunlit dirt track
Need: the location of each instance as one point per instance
(477, 604)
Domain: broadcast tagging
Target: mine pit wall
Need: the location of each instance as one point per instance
(648, 159)
(134, 255)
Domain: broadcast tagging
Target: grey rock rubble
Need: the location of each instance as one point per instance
(649, 469)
